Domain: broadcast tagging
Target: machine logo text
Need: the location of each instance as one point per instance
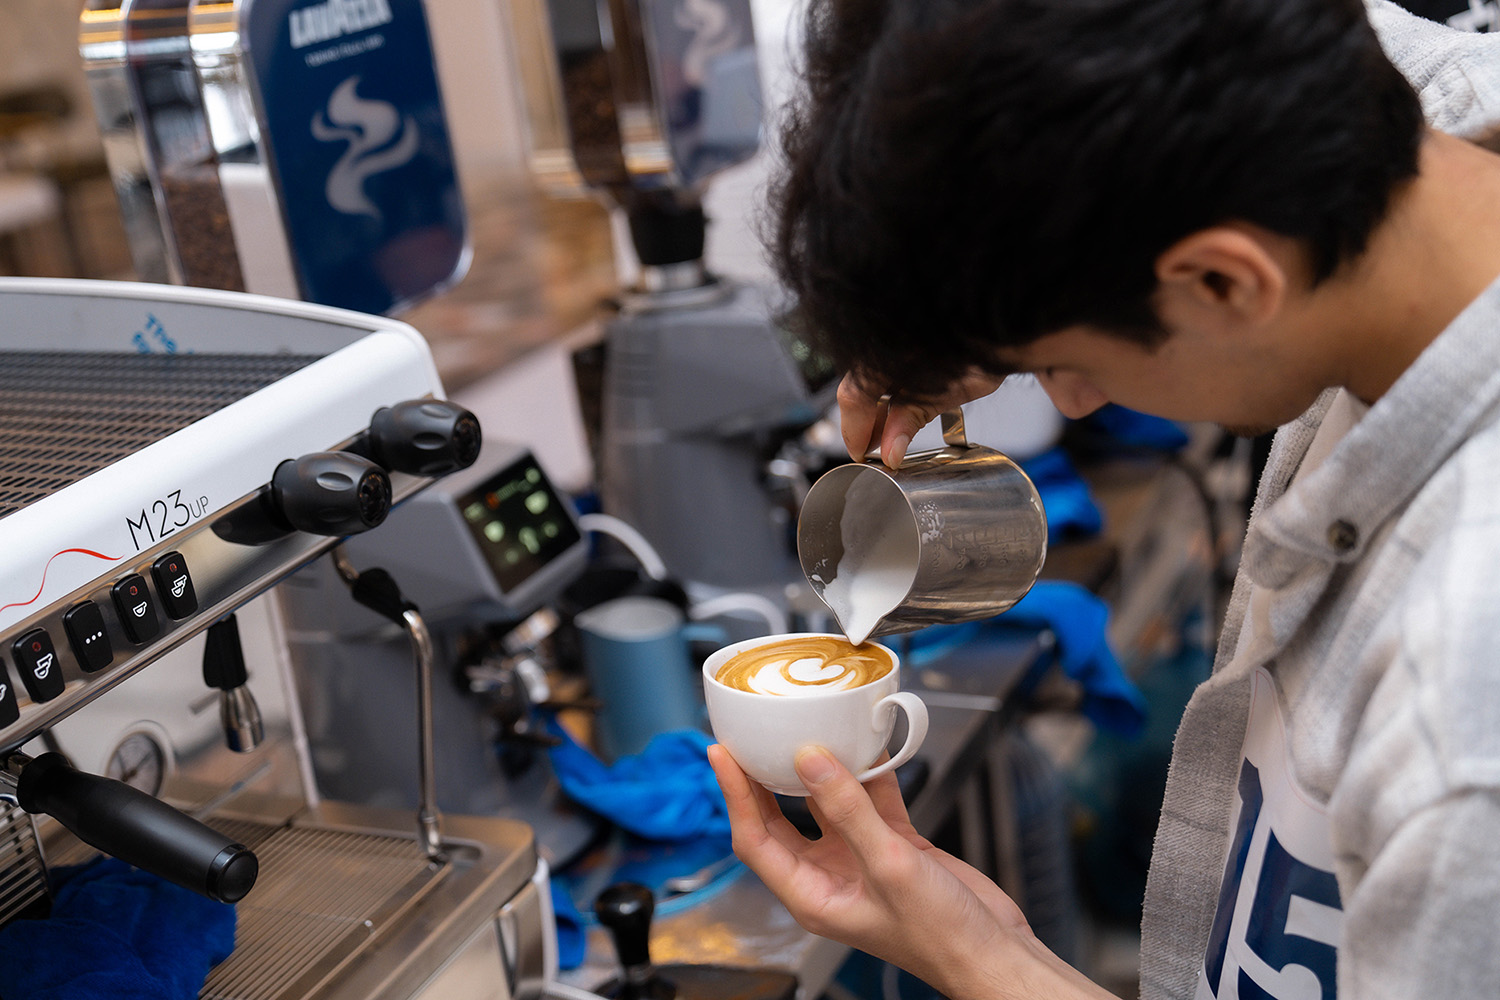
(163, 517)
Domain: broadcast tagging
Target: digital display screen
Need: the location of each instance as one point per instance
(518, 521)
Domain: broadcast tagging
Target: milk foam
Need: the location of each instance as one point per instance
(880, 557)
(803, 666)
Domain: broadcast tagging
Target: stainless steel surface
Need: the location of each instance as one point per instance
(978, 530)
(225, 575)
(101, 42)
(429, 821)
(23, 878)
(637, 94)
(240, 717)
(348, 905)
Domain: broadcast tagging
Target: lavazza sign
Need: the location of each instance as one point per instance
(324, 22)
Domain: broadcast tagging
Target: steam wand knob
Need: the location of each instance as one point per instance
(423, 437)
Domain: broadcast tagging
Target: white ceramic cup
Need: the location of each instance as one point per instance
(764, 732)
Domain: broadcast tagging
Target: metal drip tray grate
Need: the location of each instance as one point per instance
(65, 415)
(23, 880)
(321, 894)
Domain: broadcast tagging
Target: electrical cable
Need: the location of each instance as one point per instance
(633, 540)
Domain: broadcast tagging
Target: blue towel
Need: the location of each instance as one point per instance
(1135, 429)
(1070, 507)
(1078, 617)
(665, 792)
(116, 933)
(572, 937)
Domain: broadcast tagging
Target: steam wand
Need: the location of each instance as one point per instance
(376, 590)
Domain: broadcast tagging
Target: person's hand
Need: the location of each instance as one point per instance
(872, 882)
(859, 408)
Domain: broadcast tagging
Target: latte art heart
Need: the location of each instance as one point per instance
(803, 666)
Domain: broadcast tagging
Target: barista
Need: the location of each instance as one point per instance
(1218, 210)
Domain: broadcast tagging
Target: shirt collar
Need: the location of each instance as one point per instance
(1330, 514)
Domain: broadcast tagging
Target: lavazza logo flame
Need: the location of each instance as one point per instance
(324, 22)
(378, 139)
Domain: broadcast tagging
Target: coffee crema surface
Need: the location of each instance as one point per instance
(810, 665)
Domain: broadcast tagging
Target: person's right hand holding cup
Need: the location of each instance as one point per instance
(768, 698)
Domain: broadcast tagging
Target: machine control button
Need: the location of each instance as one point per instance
(10, 706)
(84, 624)
(174, 585)
(137, 609)
(38, 665)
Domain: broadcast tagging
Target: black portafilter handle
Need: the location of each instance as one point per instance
(423, 437)
(140, 830)
(331, 493)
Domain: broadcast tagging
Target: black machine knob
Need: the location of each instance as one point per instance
(424, 437)
(331, 493)
(138, 829)
(626, 908)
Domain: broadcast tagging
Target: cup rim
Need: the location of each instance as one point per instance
(709, 677)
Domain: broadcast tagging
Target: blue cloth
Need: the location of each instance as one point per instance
(1070, 507)
(116, 933)
(572, 938)
(665, 792)
(1135, 429)
(1078, 618)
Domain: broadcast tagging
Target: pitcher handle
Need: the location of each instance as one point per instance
(953, 428)
(951, 421)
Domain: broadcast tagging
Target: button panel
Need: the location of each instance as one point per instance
(136, 609)
(38, 664)
(84, 624)
(10, 706)
(174, 585)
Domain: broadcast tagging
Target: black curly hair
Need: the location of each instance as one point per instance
(967, 175)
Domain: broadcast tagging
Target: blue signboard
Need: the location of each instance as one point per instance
(353, 128)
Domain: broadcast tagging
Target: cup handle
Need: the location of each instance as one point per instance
(916, 730)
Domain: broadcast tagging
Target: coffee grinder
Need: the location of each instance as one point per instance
(278, 147)
(642, 102)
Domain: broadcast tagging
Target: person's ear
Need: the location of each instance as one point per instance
(1221, 275)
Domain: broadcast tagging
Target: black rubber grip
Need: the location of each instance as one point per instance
(425, 437)
(625, 908)
(128, 824)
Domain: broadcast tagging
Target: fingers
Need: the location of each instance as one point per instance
(761, 833)
(859, 405)
(841, 804)
(859, 413)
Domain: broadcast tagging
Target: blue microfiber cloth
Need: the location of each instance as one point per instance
(116, 933)
(1136, 430)
(572, 938)
(1077, 618)
(1070, 507)
(665, 792)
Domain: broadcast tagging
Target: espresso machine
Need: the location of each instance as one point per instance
(280, 147)
(170, 455)
(641, 103)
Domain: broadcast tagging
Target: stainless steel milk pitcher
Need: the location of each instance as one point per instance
(955, 534)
